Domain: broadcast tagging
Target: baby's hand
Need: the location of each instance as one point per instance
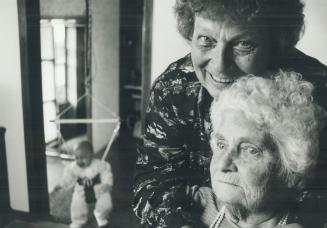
(57, 188)
(106, 188)
(87, 182)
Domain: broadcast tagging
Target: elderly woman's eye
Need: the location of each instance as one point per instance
(250, 150)
(220, 146)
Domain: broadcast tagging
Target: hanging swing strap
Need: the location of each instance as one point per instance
(112, 139)
(85, 121)
(114, 118)
(87, 95)
(71, 106)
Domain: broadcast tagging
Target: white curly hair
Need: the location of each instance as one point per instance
(283, 105)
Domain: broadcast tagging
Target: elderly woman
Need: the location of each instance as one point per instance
(229, 39)
(265, 150)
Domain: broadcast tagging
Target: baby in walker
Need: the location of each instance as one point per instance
(92, 181)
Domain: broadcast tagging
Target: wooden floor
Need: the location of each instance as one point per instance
(122, 158)
(23, 224)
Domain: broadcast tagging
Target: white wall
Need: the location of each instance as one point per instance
(167, 44)
(62, 8)
(11, 115)
(314, 41)
(105, 66)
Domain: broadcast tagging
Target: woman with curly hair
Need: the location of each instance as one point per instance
(228, 39)
(265, 148)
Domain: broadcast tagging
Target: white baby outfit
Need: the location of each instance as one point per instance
(79, 207)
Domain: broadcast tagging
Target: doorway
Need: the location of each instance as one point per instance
(63, 73)
(63, 70)
(110, 81)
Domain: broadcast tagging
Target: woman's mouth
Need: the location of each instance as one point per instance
(228, 183)
(220, 79)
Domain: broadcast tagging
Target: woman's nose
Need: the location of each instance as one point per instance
(226, 162)
(219, 60)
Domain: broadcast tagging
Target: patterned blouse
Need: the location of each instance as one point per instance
(174, 156)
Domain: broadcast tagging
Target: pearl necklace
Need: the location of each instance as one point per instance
(221, 215)
(219, 218)
(283, 220)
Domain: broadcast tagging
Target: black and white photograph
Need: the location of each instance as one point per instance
(163, 114)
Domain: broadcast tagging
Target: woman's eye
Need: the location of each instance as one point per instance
(204, 40)
(220, 146)
(244, 46)
(250, 150)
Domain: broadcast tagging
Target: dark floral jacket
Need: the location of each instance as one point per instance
(174, 156)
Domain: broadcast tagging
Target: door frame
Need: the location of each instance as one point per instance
(146, 57)
(30, 54)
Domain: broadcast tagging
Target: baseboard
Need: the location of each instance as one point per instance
(10, 215)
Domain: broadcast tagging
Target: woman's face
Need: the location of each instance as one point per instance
(242, 163)
(222, 51)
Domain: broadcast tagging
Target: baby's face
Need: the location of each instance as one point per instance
(83, 158)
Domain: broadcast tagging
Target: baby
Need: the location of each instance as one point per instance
(92, 181)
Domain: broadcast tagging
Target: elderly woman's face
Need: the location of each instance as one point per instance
(242, 163)
(223, 51)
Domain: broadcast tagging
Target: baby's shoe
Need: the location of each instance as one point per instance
(75, 226)
(105, 226)
(101, 221)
